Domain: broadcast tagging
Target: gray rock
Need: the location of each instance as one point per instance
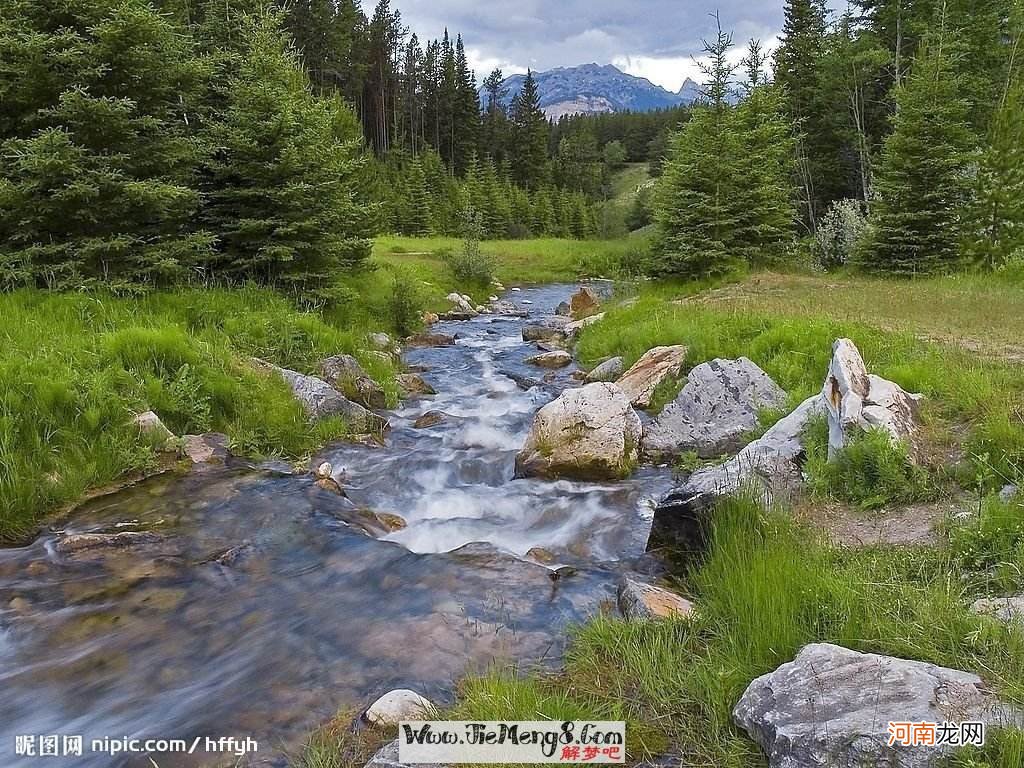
(387, 757)
(858, 402)
(381, 341)
(320, 400)
(715, 411)
(345, 374)
(462, 303)
(522, 381)
(563, 309)
(557, 359)
(831, 707)
(152, 429)
(767, 466)
(552, 330)
(590, 433)
(397, 705)
(507, 309)
(1008, 493)
(573, 329)
(1005, 609)
(208, 448)
(430, 419)
(653, 367)
(80, 542)
(638, 600)
(609, 370)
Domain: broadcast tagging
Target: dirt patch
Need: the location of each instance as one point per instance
(912, 525)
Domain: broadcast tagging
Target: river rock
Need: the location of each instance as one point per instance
(395, 706)
(556, 359)
(345, 374)
(714, 412)
(858, 401)
(507, 309)
(152, 429)
(321, 400)
(78, 542)
(1008, 493)
(430, 419)
(563, 309)
(414, 384)
(430, 318)
(1005, 609)
(550, 330)
(462, 303)
(208, 448)
(429, 339)
(653, 367)
(831, 706)
(609, 370)
(638, 600)
(525, 383)
(768, 465)
(583, 303)
(572, 329)
(589, 433)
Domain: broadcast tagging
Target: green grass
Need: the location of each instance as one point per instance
(74, 368)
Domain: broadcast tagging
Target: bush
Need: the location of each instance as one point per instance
(470, 265)
(405, 304)
(840, 234)
(870, 471)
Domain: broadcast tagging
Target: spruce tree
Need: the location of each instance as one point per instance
(698, 201)
(417, 214)
(95, 172)
(923, 183)
(282, 186)
(465, 110)
(529, 136)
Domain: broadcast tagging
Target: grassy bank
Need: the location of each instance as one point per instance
(772, 582)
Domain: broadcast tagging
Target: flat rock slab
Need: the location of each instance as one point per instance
(639, 600)
(427, 339)
(832, 706)
(1005, 609)
(653, 367)
(715, 411)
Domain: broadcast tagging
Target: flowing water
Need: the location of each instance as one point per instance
(253, 603)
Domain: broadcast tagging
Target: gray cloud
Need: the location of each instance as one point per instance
(655, 38)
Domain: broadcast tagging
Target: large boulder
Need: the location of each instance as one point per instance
(320, 400)
(858, 402)
(639, 600)
(653, 367)
(767, 466)
(715, 411)
(345, 374)
(550, 329)
(609, 370)
(590, 433)
(584, 303)
(832, 706)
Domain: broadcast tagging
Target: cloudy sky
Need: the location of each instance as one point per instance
(655, 39)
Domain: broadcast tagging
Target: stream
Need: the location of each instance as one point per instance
(253, 603)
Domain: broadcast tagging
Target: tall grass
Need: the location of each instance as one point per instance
(74, 368)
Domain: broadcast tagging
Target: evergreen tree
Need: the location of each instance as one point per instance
(282, 186)
(494, 135)
(922, 183)
(699, 203)
(465, 110)
(529, 136)
(417, 219)
(95, 172)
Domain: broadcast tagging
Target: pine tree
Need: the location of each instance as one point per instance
(417, 219)
(465, 110)
(529, 136)
(698, 202)
(767, 214)
(282, 186)
(923, 183)
(494, 134)
(95, 170)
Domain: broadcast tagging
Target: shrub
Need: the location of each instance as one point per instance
(471, 265)
(840, 234)
(405, 304)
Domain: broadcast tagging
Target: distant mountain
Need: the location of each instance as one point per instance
(591, 88)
